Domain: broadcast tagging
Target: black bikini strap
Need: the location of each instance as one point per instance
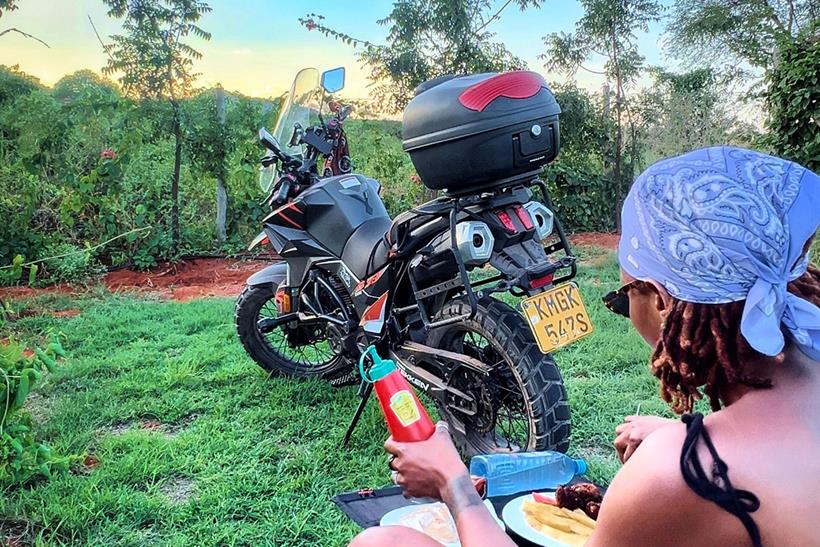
(717, 488)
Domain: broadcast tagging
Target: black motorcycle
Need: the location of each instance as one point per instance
(428, 287)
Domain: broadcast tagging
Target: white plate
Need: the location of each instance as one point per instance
(514, 518)
(394, 517)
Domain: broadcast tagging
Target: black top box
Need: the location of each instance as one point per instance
(470, 133)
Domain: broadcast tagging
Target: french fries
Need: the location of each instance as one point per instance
(570, 527)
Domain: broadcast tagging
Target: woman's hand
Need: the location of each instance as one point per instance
(630, 434)
(424, 468)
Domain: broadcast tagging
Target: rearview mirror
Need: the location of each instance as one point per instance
(333, 80)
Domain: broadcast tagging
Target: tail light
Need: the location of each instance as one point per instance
(542, 217)
(539, 282)
(524, 217)
(506, 221)
(475, 242)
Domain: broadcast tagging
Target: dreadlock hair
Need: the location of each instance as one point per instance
(701, 345)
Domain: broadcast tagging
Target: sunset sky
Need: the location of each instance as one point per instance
(258, 45)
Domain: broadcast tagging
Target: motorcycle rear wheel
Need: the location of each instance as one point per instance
(522, 405)
(271, 351)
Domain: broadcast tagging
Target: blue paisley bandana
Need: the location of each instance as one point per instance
(725, 224)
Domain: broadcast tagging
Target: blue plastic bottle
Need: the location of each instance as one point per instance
(525, 472)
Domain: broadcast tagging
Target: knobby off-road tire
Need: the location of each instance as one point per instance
(268, 350)
(521, 368)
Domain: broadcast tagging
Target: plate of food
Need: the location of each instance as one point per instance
(563, 519)
(432, 519)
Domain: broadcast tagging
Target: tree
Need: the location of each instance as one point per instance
(426, 39)
(607, 30)
(683, 112)
(210, 142)
(11, 5)
(778, 40)
(154, 63)
(716, 31)
(793, 101)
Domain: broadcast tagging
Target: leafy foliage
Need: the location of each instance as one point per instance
(8, 5)
(22, 457)
(607, 29)
(578, 187)
(14, 83)
(427, 39)
(683, 112)
(150, 57)
(401, 187)
(793, 101)
(752, 31)
(81, 165)
(154, 63)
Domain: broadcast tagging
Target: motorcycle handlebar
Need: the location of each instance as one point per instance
(270, 142)
(282, 193)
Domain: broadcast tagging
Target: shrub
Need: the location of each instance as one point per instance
(581, 197)
(793, 100)
(14, 83)
(375, 147)
(81, 165)
(23, 209)
(22, 457)
(67, 263)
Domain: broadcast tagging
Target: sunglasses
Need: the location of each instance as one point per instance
(618, 301)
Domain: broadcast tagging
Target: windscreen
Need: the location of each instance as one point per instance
(301, 106)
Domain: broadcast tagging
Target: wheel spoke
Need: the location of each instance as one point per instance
(307, 347)
(501, 422)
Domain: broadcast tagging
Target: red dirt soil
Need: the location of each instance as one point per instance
(187, 280)
(28, 292)
(607, 241)
(204, 277)
(183, 281)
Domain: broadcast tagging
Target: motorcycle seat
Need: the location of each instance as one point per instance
(412, 223)
(367, 250)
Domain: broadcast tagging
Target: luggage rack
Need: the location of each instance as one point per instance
(463, 279)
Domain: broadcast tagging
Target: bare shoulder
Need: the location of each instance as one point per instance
(648, 502)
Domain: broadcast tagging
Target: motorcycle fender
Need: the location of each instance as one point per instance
(275, 273)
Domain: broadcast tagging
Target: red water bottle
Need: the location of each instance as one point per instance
(406, 418)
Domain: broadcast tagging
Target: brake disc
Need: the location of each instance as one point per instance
(484, 419)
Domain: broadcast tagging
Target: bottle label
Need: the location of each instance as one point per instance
(405, 408)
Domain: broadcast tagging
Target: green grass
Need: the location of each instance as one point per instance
(258, 457)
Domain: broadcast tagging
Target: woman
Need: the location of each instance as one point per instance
(714, 262)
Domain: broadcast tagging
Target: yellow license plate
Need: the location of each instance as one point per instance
(557, 317)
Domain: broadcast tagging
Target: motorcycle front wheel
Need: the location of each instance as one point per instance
(522, 405)
(297, 351)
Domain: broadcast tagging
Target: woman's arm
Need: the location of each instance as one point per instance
(433, 468)
(476, 526)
